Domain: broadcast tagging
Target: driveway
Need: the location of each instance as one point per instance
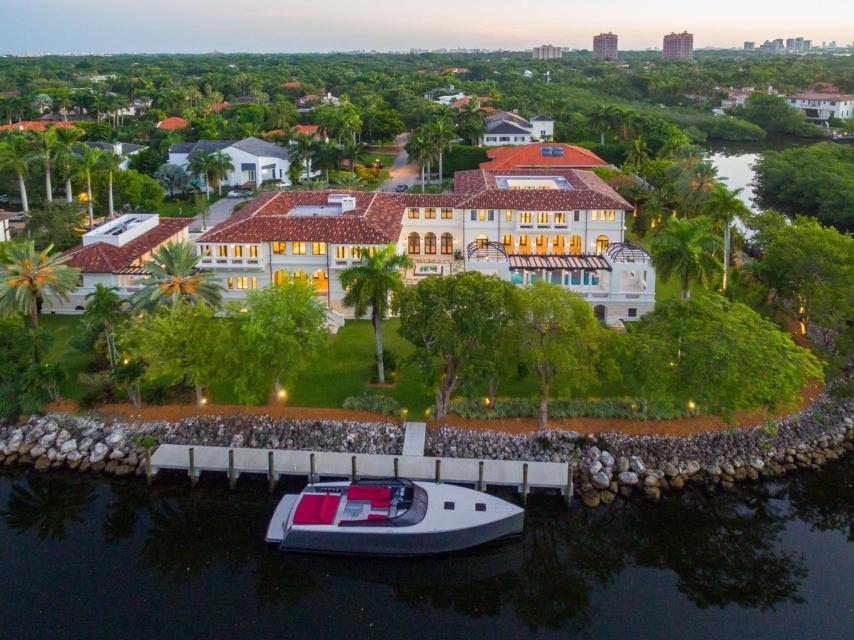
(218, 212)
(402, 171)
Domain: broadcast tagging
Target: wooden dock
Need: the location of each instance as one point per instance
(313, 465)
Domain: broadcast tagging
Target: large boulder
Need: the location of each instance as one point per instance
(629, 478)
(601, 480)
(99, 452)
(68, 446)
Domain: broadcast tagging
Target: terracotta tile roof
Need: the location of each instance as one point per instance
(292, 84)
(457, 104)
(216, 107)
(813, 95)
(172, 122)
(531, 155)
(36, 125)
(376, 219)
(106, 258)
(307, 128)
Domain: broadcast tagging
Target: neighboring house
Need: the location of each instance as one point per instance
(172, 123)
(123, 149)
(563, 226)
(736, 98)
(218, 107)
(466, 100)
(542, 155)
(5, 231)
(113, 253)
(35, 125)
(505, 128)
(292, 84)
(821, 107)
(308, 102)
(255, 161)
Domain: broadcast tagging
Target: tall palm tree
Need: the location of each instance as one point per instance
(172, 276)
(688, 250)
(600, 120)
(353, 151)
(371, 283)
(29, 276)
(202, 165)
(88, 163)
(697, 182)
(305, 150)
(351, 183)
(418, 151)
(64, 140)
(104, 309)
(638, 152)
(43, 152)
(110, 162)
(724, 206)
(471, 121)
(15, 154)
(326, 157)
(441, 132)
(221, 165)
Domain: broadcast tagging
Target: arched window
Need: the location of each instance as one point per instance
(542, 244)
(524, 244)
(601, 243)
(300, 276)
(507, 241)
(575, 245)
(280, 277)
(414, 245)
(320, 279)
(447, 244)
(559, 245)
(430, 243)
(481, 241)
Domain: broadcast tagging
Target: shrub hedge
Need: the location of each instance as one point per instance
(563, 408)
(373, 402)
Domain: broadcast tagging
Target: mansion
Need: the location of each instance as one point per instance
(563, 226)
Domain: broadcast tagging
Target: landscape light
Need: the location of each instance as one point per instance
(692, 405)
(126, 361)
(204, 400)
(282, 394)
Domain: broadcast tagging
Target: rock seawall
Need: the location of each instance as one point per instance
(607, 465)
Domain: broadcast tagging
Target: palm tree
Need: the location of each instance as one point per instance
(440, 133)
(29, 276)
(418, 151)
(638, 152)
(471, 122)
(371, 283)
(15, 154)
(326, 157)
(352, 183)
(64, 140)
(305, 150)
(315, 184)
(697, 182)
(221, 165)
(687, 249)
(353, 152)
(600, 120)
(44, 148)
(724, 206)
(201, 165)
(172, 276)
(103, 311)
(89, 162)
(110, 162)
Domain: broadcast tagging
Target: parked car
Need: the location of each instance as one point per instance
(239, 193)
(401, 188)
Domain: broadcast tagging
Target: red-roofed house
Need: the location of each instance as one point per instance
(113, 253)
(307, 129)
(172, 123)
(562, 225)
(292, 84)
(466, 100)
(218, 107)
(554, 155)
(36, 125)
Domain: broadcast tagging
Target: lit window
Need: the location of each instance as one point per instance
(280, 277)
(414, 213)
(447, 214)
(447, 244)
(241, 283)
(542, 217)
(594, 215)
(575, 245)
(601, 244)
(341, 253)
(318, 248)
(507, 241)
(430, 214)
(238, 251)
(206, 250)
(299, 248)
(481, 241)
(223, 251)
(414, 244)
(524, 244)
(612, 216)
(280, 248)
(508, 216)
(560, 218)
(542, 244)
(358, 252)
(525, 217)
(430, 244)
(253, 251)
(300, 276)
(320, 279)
(559, 245)
(481, 215)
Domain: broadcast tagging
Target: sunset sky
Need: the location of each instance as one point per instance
(40, 26)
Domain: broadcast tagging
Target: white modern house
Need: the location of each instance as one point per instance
(5, 232)
(506, 128)
(821, 107)
(112, 255)
(255, 161)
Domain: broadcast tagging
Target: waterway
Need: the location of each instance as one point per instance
(86, 558)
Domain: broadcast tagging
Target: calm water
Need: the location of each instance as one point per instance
(86, 558)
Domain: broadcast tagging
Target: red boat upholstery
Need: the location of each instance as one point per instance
(377, 516)
(317, 508)
(379, 497)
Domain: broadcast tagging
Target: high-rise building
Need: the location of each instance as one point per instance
(605, 46)
(679, 46)
(547, 52)
(749, 46)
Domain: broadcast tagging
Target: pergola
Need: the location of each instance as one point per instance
(553, 262)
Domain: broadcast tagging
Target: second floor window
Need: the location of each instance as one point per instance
(223, 251)
(542, 217)
(560, 218)
(447, 214)
(280, 248)
(238, 251)
(525, 217)
(341, 253)
(429, 214)
(253, 251)
(299, 248)
(414, 214)
(318, 248)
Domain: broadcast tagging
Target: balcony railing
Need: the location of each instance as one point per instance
(217, 261)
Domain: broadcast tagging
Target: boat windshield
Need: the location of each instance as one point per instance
(415, 511)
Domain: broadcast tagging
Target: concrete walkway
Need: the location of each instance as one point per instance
(218, 212)
(414, 438)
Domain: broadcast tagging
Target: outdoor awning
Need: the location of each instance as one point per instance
(552, 262)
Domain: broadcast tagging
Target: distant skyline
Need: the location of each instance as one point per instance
(199, 26)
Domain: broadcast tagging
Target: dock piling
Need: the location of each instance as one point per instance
(396, 468)
(438, 471)
(568, 493)
(353, 469)
(481, 485)
(194, 478)
(149, 476)
(525, 483)
(232, 476)
(312, 473)
(271, 476)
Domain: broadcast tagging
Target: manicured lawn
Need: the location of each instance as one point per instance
(182, 207)
(64, 330)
